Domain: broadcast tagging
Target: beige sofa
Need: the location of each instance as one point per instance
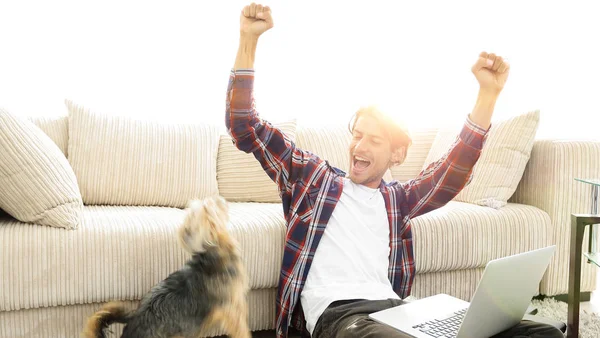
(51, 279)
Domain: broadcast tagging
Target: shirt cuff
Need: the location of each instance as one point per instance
(473, 135)
(242, 71)
(242, 81)
(476, 127)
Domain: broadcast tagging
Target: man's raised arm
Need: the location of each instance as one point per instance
(254, 20)
(276, 153)
(442, 180)
(491, 72)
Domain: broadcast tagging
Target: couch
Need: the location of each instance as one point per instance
(52, 279)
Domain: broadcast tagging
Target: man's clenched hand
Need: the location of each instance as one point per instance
(255, 20)
(491, 72)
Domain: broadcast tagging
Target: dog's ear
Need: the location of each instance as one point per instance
(223, 209)
(222, 203)
(194, 204)
(192, 232)
(217, 212)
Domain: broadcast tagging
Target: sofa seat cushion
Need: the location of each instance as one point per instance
(119, 253)
(467, 236)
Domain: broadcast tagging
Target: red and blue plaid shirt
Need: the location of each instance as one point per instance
(310, 188)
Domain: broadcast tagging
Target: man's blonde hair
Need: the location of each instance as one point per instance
(394, 131)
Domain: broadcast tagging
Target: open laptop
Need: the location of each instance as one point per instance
(499, 303)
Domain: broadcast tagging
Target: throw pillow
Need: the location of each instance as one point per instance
(37, 184)
(124, 161)
(502, 162)
(241, 177)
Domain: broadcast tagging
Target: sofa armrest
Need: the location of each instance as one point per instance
(549, 183)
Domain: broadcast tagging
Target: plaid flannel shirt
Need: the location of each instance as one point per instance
(310, 188)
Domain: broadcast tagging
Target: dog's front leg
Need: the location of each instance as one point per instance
(237, 327)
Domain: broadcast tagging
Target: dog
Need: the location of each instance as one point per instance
(208, 293)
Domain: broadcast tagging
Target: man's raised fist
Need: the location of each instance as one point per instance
(491, 72)
(255, 20)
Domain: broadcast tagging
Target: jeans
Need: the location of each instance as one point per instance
(349, 318)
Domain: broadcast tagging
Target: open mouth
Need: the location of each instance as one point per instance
(360, 164)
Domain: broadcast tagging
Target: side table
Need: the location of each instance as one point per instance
(579, 222)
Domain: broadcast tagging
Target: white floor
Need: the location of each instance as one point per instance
(594, 304)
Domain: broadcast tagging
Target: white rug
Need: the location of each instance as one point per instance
(589, 323)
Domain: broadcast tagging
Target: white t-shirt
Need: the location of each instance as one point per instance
(351, 261)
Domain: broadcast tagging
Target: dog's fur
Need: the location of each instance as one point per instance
(207, 293)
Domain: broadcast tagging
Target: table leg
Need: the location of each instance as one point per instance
(593, 228)
(577, 231)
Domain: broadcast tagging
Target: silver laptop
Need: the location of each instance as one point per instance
(499, 303)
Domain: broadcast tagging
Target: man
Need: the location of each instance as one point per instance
(348, 248)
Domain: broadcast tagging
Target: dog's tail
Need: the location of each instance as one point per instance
(113, 312)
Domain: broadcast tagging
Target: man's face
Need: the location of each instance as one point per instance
(370, 153)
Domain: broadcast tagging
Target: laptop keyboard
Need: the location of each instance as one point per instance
(443, 327)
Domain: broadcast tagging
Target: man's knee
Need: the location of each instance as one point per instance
(539, 330)
(353, 330)
(550, 332)
(367, 328)
(531, 329)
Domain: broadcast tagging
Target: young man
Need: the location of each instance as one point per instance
(348, 248)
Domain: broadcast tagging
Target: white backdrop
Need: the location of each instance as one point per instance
(171, 59)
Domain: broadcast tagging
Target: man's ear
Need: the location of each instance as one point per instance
(398, 156)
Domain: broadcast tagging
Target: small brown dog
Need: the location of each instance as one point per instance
(208, 292)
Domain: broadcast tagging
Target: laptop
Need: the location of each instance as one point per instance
(502, 297)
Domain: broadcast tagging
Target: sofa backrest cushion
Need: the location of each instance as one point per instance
(416, 155)
(241, 177)
(124, 161)
(37, 184)
(500, 167)
(56, 127)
